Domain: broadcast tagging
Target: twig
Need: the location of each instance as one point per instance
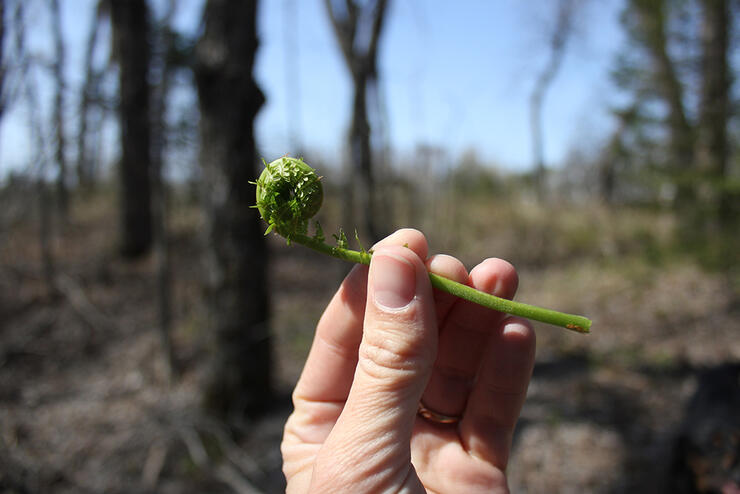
(234, 453)
(81, 304)
(195, 446)
(231, 476)
(153, 465)
(225, 472)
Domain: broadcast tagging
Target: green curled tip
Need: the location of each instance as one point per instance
(289, 193)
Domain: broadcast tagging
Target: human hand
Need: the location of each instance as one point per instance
(388, 341)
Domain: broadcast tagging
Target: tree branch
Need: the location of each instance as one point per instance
(344, 30)
(378, 22)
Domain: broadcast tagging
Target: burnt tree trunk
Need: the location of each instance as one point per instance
(240, 376)
(130, 22)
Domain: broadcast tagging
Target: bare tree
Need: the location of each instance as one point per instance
(713, 146)
(614, 155)
(39, 157)
(162, 75)
(90, 96)
(2, 59)
(649, 20)
(60, 56)
(131, 42)
(14, 59)
(229, 99)
(558, 42)
(358, 26)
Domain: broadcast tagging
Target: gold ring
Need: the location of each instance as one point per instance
(436, 417)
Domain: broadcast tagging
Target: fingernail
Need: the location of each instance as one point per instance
(393, 281)
(516, 327)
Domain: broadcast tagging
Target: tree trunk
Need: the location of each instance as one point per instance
(652, 17)
(39, 162)
(161, 86)
(2, 59)
(607, 169)
(360, 153)
(713, 147)
(90, 93)
(240, 376)
(357, 27)
(60, 89)
(48, 266)
(130, 21)
(558, 41)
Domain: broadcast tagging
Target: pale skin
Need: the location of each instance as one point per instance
(387, 341)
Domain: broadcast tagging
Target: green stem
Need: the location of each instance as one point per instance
(579, 324)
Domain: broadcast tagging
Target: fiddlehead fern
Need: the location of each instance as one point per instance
(289, 194)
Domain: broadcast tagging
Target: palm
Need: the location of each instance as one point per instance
(443, 465)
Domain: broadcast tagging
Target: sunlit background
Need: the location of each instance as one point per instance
(150, 334)
(457, 78)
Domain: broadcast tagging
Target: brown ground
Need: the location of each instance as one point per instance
(86, 404)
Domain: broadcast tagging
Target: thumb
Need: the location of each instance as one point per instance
(398, 348)
(370, 443)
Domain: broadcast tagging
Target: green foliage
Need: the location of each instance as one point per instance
(341, 240)
(319, 233)
(674, 140)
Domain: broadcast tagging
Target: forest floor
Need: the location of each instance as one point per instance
(87, 403)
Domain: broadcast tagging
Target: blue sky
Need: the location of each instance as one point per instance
(453, 74)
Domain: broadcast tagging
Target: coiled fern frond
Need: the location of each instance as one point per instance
(289, 194)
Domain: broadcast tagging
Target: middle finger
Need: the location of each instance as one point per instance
(463, 337)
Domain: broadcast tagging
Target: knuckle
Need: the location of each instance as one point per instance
(385, 356)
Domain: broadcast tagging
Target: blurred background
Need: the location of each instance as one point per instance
(150, 334)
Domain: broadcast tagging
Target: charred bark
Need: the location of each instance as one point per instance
(240, 380)
(130, 21)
